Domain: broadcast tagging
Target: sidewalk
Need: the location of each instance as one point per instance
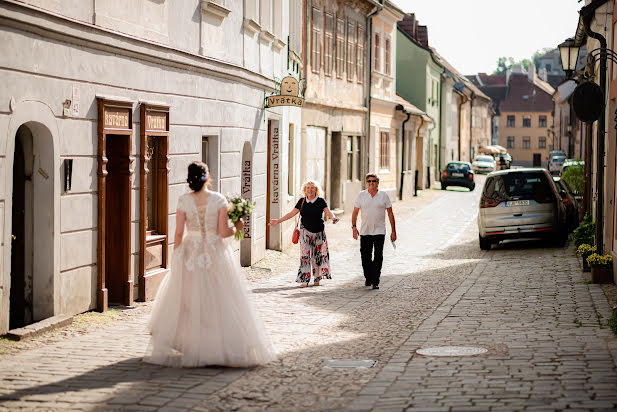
(544, 329)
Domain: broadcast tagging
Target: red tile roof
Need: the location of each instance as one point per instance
(525, 96)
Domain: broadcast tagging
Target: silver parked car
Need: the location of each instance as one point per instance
(521, 203)
(483, 164)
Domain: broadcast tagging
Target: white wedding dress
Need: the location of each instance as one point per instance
(203, 314)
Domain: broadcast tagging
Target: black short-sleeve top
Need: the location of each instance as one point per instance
(312, 214)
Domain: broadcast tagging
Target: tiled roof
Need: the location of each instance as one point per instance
(525, 96)
(422, 33)
(456, 73)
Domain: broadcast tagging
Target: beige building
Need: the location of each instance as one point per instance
(395, 124)
(334, 119)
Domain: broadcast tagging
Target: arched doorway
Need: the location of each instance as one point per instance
(32, 226)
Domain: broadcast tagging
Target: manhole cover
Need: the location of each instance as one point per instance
(451, 351)
(349, 363)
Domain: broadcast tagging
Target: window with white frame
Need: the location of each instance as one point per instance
(316, 41)
(351, 46)
(340, 48)
(329, 45)
(386, 55)
(526, 121)
(360, 54)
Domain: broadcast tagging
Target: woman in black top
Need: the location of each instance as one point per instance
(315, 257)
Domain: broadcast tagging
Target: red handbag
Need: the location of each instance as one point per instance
(296, 235)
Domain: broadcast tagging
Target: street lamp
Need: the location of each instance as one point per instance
(569, 56)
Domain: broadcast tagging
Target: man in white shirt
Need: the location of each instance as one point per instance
(373, 205)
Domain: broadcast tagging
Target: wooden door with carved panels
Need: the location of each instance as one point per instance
(154, 187)
(115, 176)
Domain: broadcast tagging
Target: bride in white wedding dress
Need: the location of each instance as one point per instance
(202, 314)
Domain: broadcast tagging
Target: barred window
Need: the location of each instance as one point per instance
(316, 41)
(329, 45)
(351, 43)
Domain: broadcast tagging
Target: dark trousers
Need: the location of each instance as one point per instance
(372, 264)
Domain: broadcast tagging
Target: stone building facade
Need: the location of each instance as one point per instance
(104, 105)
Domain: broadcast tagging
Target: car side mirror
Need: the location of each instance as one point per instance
(563, 193)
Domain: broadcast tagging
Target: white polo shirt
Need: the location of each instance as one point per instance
(372, 212)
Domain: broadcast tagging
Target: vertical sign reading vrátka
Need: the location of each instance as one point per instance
(156, 121)
(275, 165)
(246, 194)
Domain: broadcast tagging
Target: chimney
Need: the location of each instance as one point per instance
(531, 73)
(423, 36)
(542, 74)
(508, 74)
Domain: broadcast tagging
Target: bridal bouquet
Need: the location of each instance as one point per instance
(237, 209)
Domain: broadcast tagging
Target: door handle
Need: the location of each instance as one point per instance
(13, 237)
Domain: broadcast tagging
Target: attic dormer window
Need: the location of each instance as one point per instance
(526, 97)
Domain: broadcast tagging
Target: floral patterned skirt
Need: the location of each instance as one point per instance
(315, 257)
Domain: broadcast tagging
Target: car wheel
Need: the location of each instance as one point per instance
(443, 186)
(485, 244)
(472, 187)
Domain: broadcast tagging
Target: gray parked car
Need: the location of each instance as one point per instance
(521, 203)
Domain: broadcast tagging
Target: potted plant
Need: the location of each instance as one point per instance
(584, 233)
(584, 251)
(601, 268)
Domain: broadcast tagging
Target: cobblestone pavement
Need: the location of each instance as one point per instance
(548, 346)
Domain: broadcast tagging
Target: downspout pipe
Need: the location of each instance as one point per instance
(402, 109)
(473, 95)
(369, 68)
(600, 140)
(460, 118)
(415, 180)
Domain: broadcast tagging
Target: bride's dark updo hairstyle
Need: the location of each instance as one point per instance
(198, 175)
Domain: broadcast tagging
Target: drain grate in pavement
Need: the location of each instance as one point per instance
(451, 351)
(349, 363)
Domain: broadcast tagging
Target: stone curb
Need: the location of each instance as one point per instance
(39, 328)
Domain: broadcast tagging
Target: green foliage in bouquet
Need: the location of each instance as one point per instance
(573, 175)
(585, 250)
(597, 261)
(238, 208)
(584, 233)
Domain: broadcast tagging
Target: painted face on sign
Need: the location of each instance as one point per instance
(289, 86)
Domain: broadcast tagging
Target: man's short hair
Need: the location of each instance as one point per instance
(371, 175)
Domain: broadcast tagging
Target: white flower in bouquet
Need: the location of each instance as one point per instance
(237, 209)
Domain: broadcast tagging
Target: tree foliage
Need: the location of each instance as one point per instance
(506, 63)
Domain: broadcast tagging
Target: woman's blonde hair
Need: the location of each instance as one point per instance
(311, 182)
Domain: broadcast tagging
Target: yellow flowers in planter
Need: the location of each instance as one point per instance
(597, 261)
(585, 250)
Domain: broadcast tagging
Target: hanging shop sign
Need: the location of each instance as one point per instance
(588, 102)
(288, 93)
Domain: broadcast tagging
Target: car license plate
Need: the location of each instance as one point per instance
(517, 203)
(457, 174)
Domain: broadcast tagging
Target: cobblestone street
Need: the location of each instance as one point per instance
(544, 328)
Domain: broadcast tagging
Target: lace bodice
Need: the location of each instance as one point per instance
(202, 220)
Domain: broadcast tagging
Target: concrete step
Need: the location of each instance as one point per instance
(39, 328)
